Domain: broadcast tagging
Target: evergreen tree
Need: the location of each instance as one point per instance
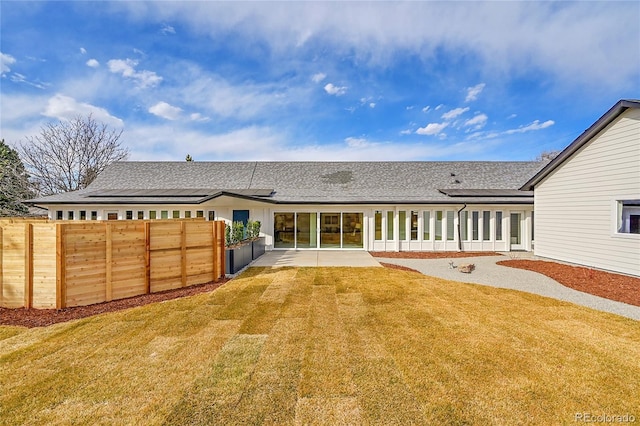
(14, 183)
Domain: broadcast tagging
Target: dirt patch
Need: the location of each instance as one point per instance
(621, 288)
(44, 317)
(430, 254)
(398, 267)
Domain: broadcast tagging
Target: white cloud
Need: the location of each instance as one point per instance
(166, 111)
(439, 107)
(372, 104)
(357, 142)
(536, 125)
(432, 129)
(93, 63)
(591, 50)
(318, 77)
(126, 67)
(16, 77)
(426, 109)
(406, 132)
(83, 50)
(473, 92)
(478, 121)
(512, 116)
(167, 29)
(196, 116)
(65, 107)
(450, 115)
(5, 62)
(212, 95)
(335, 90)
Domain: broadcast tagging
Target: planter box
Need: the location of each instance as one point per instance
(240, 256)
(237, 258)
(257, 248)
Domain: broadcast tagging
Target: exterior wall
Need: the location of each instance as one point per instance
(576, 205)
(419, 235)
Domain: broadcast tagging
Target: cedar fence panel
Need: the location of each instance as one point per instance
(46, 264)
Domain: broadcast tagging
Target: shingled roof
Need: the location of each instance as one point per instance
(307, 182)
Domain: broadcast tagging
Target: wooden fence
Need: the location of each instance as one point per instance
(46, 264)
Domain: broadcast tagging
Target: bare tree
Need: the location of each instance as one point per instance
(69, 155)
(547, 155)
(14, 183)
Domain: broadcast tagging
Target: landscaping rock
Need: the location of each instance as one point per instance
(466, 268)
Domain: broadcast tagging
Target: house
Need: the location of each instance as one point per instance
(381, 206)
(587, 200)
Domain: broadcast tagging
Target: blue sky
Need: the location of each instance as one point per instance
(333, 81)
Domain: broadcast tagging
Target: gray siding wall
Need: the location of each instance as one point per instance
(575, 207)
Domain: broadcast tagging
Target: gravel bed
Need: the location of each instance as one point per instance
(488, 273)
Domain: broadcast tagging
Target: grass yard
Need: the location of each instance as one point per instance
(326, 346)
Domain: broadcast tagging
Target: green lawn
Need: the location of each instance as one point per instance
(326, 346)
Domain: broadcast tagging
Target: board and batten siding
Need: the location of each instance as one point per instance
(575, 206)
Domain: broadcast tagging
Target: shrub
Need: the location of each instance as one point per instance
(253, 229)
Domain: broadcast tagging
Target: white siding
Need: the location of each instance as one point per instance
(575, 206)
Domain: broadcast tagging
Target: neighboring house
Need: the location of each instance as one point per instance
(587, 200)
(377, 206)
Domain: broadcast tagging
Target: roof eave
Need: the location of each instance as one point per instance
(608, 117)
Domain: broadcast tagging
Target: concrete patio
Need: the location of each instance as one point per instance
(278, 258)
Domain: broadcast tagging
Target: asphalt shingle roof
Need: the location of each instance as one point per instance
(307, 182)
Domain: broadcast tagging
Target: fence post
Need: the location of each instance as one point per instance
(61, 284)
(109, 258)
(220, 247)
(147, 257)
(214, 259)
(28, 265)
(183, 253)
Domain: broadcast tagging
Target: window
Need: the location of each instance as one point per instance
(83, 215)
(464, 230)
(112, 216)
(629, 217)
(438, 226)
(140, 214)
(450, 225)
(352, 230)
(378, 225)
(389, 225)
(164, 214)
(211, 215)
(152, 214)
(283, 230)
(414, 226)
(129, 214)
(306, 230)
(199, 213)
(94, 215)
(176, 214)
(475, 224)
(498, 226)
(187, 214)
(70, 215)
(486, 225)
(59, 214)
(426, 219)
(402, 218)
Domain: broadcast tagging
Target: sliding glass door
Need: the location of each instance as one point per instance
(335, 229)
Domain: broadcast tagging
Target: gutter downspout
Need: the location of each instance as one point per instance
(459, 230)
